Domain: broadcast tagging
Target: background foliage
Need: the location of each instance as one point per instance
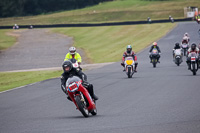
(10, 8)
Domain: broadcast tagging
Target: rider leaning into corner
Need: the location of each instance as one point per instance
(73, 54)
(129, 53)
(69, 71)
(195, 49)
(155, 45)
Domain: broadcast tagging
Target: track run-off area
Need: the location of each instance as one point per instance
(164, 99)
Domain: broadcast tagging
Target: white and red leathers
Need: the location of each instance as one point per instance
(131, 54)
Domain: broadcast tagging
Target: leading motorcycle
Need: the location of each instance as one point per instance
(193, 62)
(80, 96)
(129, 66)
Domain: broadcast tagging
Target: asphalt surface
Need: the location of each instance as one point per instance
(36, 48)
(164, 99)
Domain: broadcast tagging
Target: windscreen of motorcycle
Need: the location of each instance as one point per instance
(73, 83)
(154, 51)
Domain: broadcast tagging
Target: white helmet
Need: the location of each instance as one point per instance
(186, 34)
(72, 50)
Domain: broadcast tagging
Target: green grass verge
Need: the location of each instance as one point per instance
(101, 44)
(6, 40)
(114, 11)
(9, 80)
(107, 44)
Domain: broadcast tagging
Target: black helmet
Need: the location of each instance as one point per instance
(177, 44)
(67, 64)
(193, 46)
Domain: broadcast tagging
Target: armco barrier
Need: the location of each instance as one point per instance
(99, 24)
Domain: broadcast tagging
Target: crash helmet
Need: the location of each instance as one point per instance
(186, 34)
(177, 44)
(193, 46)
(155, 44)
(67, 66)
(72, 50)
(128, 49)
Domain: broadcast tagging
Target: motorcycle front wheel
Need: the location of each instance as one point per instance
(193, 69)
(129, 72)
(82, 107)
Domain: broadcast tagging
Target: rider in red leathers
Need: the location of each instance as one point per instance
(129, 53)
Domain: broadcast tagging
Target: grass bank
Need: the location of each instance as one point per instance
(113, 11)
(107, 44)
(101, 44)
(7, 40)
(9, 80)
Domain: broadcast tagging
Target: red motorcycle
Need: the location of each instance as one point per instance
(80, 96)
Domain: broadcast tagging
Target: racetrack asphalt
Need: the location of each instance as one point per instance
(35, 49)
(164, 99)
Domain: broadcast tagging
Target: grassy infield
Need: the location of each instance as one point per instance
(97, 42)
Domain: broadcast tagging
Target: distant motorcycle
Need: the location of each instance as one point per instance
(74, 63)
(178, 56)
(193, 62)
(129, 66)
(154, 57)
(185, 47)
(80, 96)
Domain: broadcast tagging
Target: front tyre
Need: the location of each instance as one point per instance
(193, 69)
(129, 72)
(154, 63)
(82, 106)
(178, 62)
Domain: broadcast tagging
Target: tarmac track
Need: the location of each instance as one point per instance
(164, 99)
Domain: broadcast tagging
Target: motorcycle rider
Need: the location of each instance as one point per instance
(186, 38)
(159, 52)
(73, 54)
(69, 71)
(177, 46)
(129, 53)
(195, 49)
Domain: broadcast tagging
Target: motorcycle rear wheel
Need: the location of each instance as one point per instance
(82, 107)
(94, 112)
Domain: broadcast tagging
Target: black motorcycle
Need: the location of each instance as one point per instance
(154, 57)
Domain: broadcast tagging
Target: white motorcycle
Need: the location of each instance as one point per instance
(178, 56)
(129, 66)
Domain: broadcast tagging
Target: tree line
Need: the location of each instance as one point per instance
(9, 8)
